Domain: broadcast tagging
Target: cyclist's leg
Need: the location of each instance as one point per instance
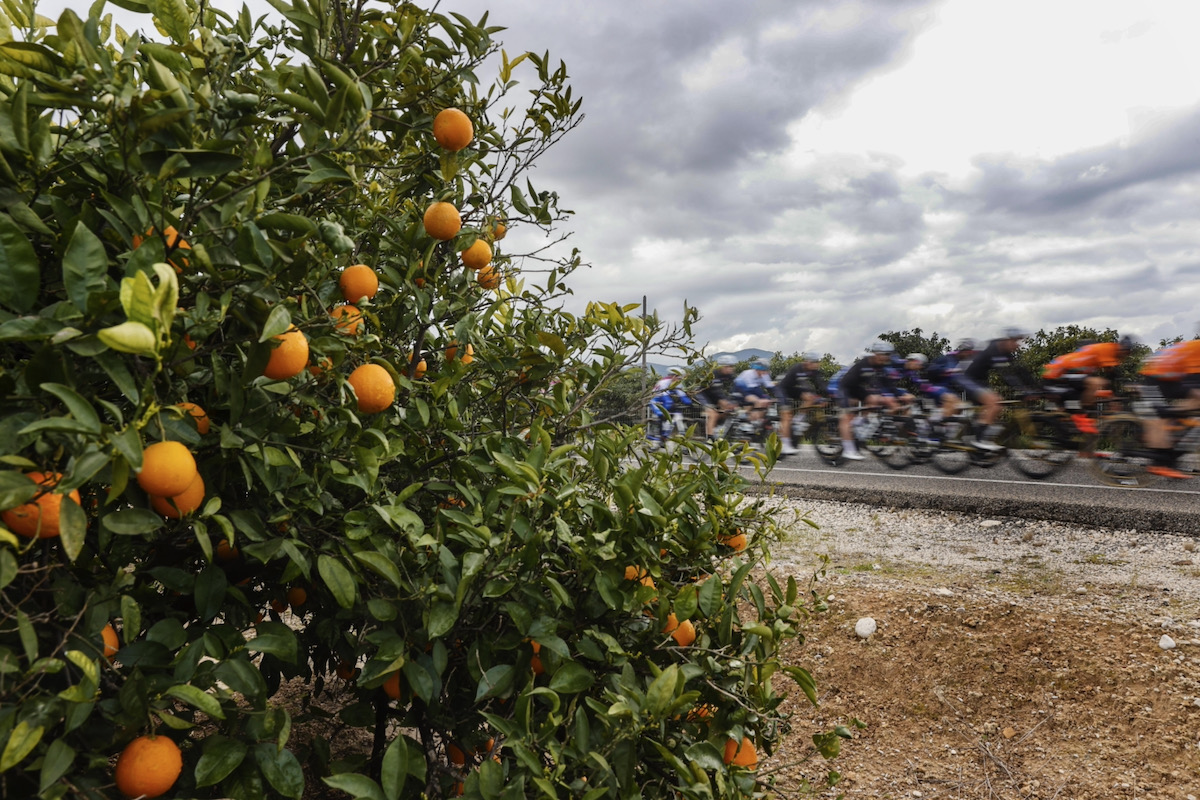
(849, 402)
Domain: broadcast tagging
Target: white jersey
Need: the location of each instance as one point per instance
(753, 379)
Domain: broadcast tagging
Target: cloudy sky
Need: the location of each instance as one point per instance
(810, 174)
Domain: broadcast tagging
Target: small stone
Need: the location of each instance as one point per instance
(990, 523)
(1166, 642)
(1191, 548)
(943, 592)
(866, 626)
(1081, 590)
(1009, 732)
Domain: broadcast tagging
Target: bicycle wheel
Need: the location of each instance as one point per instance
(827, 439)
(1120, 459)
(1040, 446)
(952, 456)
(902, 432)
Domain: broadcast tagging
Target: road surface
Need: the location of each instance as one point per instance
(1072, 495)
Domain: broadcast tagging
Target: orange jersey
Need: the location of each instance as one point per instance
(1174, 362)
(1087, 359)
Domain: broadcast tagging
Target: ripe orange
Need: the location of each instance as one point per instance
(391, 686)
(182, 504)
(633, 573)
(289, 357)
(111, 643)
(148, 767)
(498, 231)
(685, 634)
(452, 353)
(297, 596)
(226, 552)
(419, 372)
(743, 755)
(535, 661)
(347, 319)
(737, 541)
(198, 415)
(457, 757)
(173, 241)
(453, 129)
(488, 277)
(442, 221)
(39, 517)
(478, 255)
(357, 282)
(374, 388)
(346, 670)
(168, 469)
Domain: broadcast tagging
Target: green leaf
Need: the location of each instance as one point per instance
(199, 699)
(827, 744)
(130, 337)
(221, 756)
(58, 759)
(381, 565)
(662, 691)
(572, 677)
(132, 521)
(15, 489)
(84, 266)
(442, 616)
(278, 321)
(211, 585)
(339, 579)
(706, 756)
(281, 769)
(496, 682)
(395, 768)
(72, 528)
(20, 273)
(805, 681)
(274, 638)
(21, 742)
(359, 787)
(80, 408)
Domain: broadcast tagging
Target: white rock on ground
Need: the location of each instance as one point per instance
(1166, 642)
(866, 626)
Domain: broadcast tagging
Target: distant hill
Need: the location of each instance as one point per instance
(745, 354)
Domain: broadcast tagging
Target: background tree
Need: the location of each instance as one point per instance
(1044, 346)
(227, 466)
(915, 341)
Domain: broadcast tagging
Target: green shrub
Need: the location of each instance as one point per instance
(439, 539)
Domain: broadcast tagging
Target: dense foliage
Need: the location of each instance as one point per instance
(170, 210)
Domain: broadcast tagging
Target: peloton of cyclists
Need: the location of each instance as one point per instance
(802, 385)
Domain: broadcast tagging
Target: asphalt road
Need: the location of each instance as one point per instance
(1072, 495)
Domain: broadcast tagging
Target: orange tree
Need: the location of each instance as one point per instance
(447, 532)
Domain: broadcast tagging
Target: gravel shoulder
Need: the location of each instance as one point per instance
(1012, 657)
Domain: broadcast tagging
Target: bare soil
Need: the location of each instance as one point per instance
(983, 682)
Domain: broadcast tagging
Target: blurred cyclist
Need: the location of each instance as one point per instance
(1074, 379)
(943, 375)
(757, 389)
(802, 385)
(996, 357)
(1173, 387)
(862, 384)
(666, 405)
(720, 395)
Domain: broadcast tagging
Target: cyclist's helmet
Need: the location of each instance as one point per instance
(761, 366)
(1127, 343)
(882, 348)
(966, 346)
(811, 355)
(920, 358)
(726, 360)
(1014, 333)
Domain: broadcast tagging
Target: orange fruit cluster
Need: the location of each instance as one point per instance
(170, 477)
(39, 517)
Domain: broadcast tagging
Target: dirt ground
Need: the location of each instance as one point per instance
(974, 688)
